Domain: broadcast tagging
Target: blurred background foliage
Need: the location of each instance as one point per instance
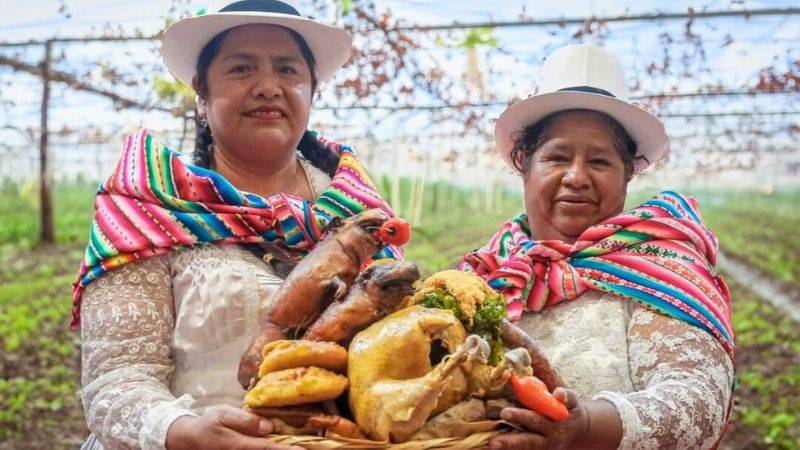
(418, 106)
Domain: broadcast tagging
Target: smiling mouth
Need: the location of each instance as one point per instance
(576, 203)
(272, 114)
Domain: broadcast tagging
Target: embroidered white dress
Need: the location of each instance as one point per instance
(162, 338)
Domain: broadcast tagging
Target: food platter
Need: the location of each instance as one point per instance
(472, 442)
(357, 354)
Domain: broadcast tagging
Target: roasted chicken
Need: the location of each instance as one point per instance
(490, 382)
(393, 388)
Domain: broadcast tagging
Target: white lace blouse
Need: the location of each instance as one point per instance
(669, 381)
(162, 338)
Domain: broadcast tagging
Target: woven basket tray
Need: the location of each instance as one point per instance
(475, 441)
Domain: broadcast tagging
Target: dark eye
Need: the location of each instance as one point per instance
(239, 68)
(600, 161)
(557, 158)
(289, 70)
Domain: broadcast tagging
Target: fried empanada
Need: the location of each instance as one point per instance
(298, 386)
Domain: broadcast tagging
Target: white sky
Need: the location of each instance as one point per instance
(757, 42)
(21, 21)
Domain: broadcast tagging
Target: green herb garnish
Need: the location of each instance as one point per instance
(486, 323)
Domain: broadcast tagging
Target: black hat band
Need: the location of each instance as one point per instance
(589, 89)
(269, 6)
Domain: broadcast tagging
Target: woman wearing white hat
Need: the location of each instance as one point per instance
(626, 305)
(169, 291)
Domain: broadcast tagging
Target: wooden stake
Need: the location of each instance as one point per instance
(47, 233)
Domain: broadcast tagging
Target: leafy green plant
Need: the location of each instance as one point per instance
(19, 213)
(39, 355)
(180, 97)
(472, 38)
(767, 398)
(347, 6)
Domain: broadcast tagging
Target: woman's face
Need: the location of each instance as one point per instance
(259, 95)
(576, 179)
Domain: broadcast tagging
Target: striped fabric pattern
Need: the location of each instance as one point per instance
(659, 254)
(153, 203)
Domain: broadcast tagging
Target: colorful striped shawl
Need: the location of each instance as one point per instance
(153, 203)
(659, 254)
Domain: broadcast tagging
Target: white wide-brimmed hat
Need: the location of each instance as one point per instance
(584, 77)
(184, 40)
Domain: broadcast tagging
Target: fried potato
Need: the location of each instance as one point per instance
(298, 386)
(285, 354)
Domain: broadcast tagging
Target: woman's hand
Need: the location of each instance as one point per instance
(223, 427)
(543, 433)
(591, 425)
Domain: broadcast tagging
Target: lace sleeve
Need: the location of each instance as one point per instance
(682, 381)
(126, 331)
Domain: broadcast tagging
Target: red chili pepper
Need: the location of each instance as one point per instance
(533, 394)
(395, 232)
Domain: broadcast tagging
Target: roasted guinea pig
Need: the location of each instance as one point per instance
(309, 420)
(393, 388)
(322, 277)
(515, 337)
(378, 291)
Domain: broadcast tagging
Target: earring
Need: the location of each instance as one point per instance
(203, 122)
